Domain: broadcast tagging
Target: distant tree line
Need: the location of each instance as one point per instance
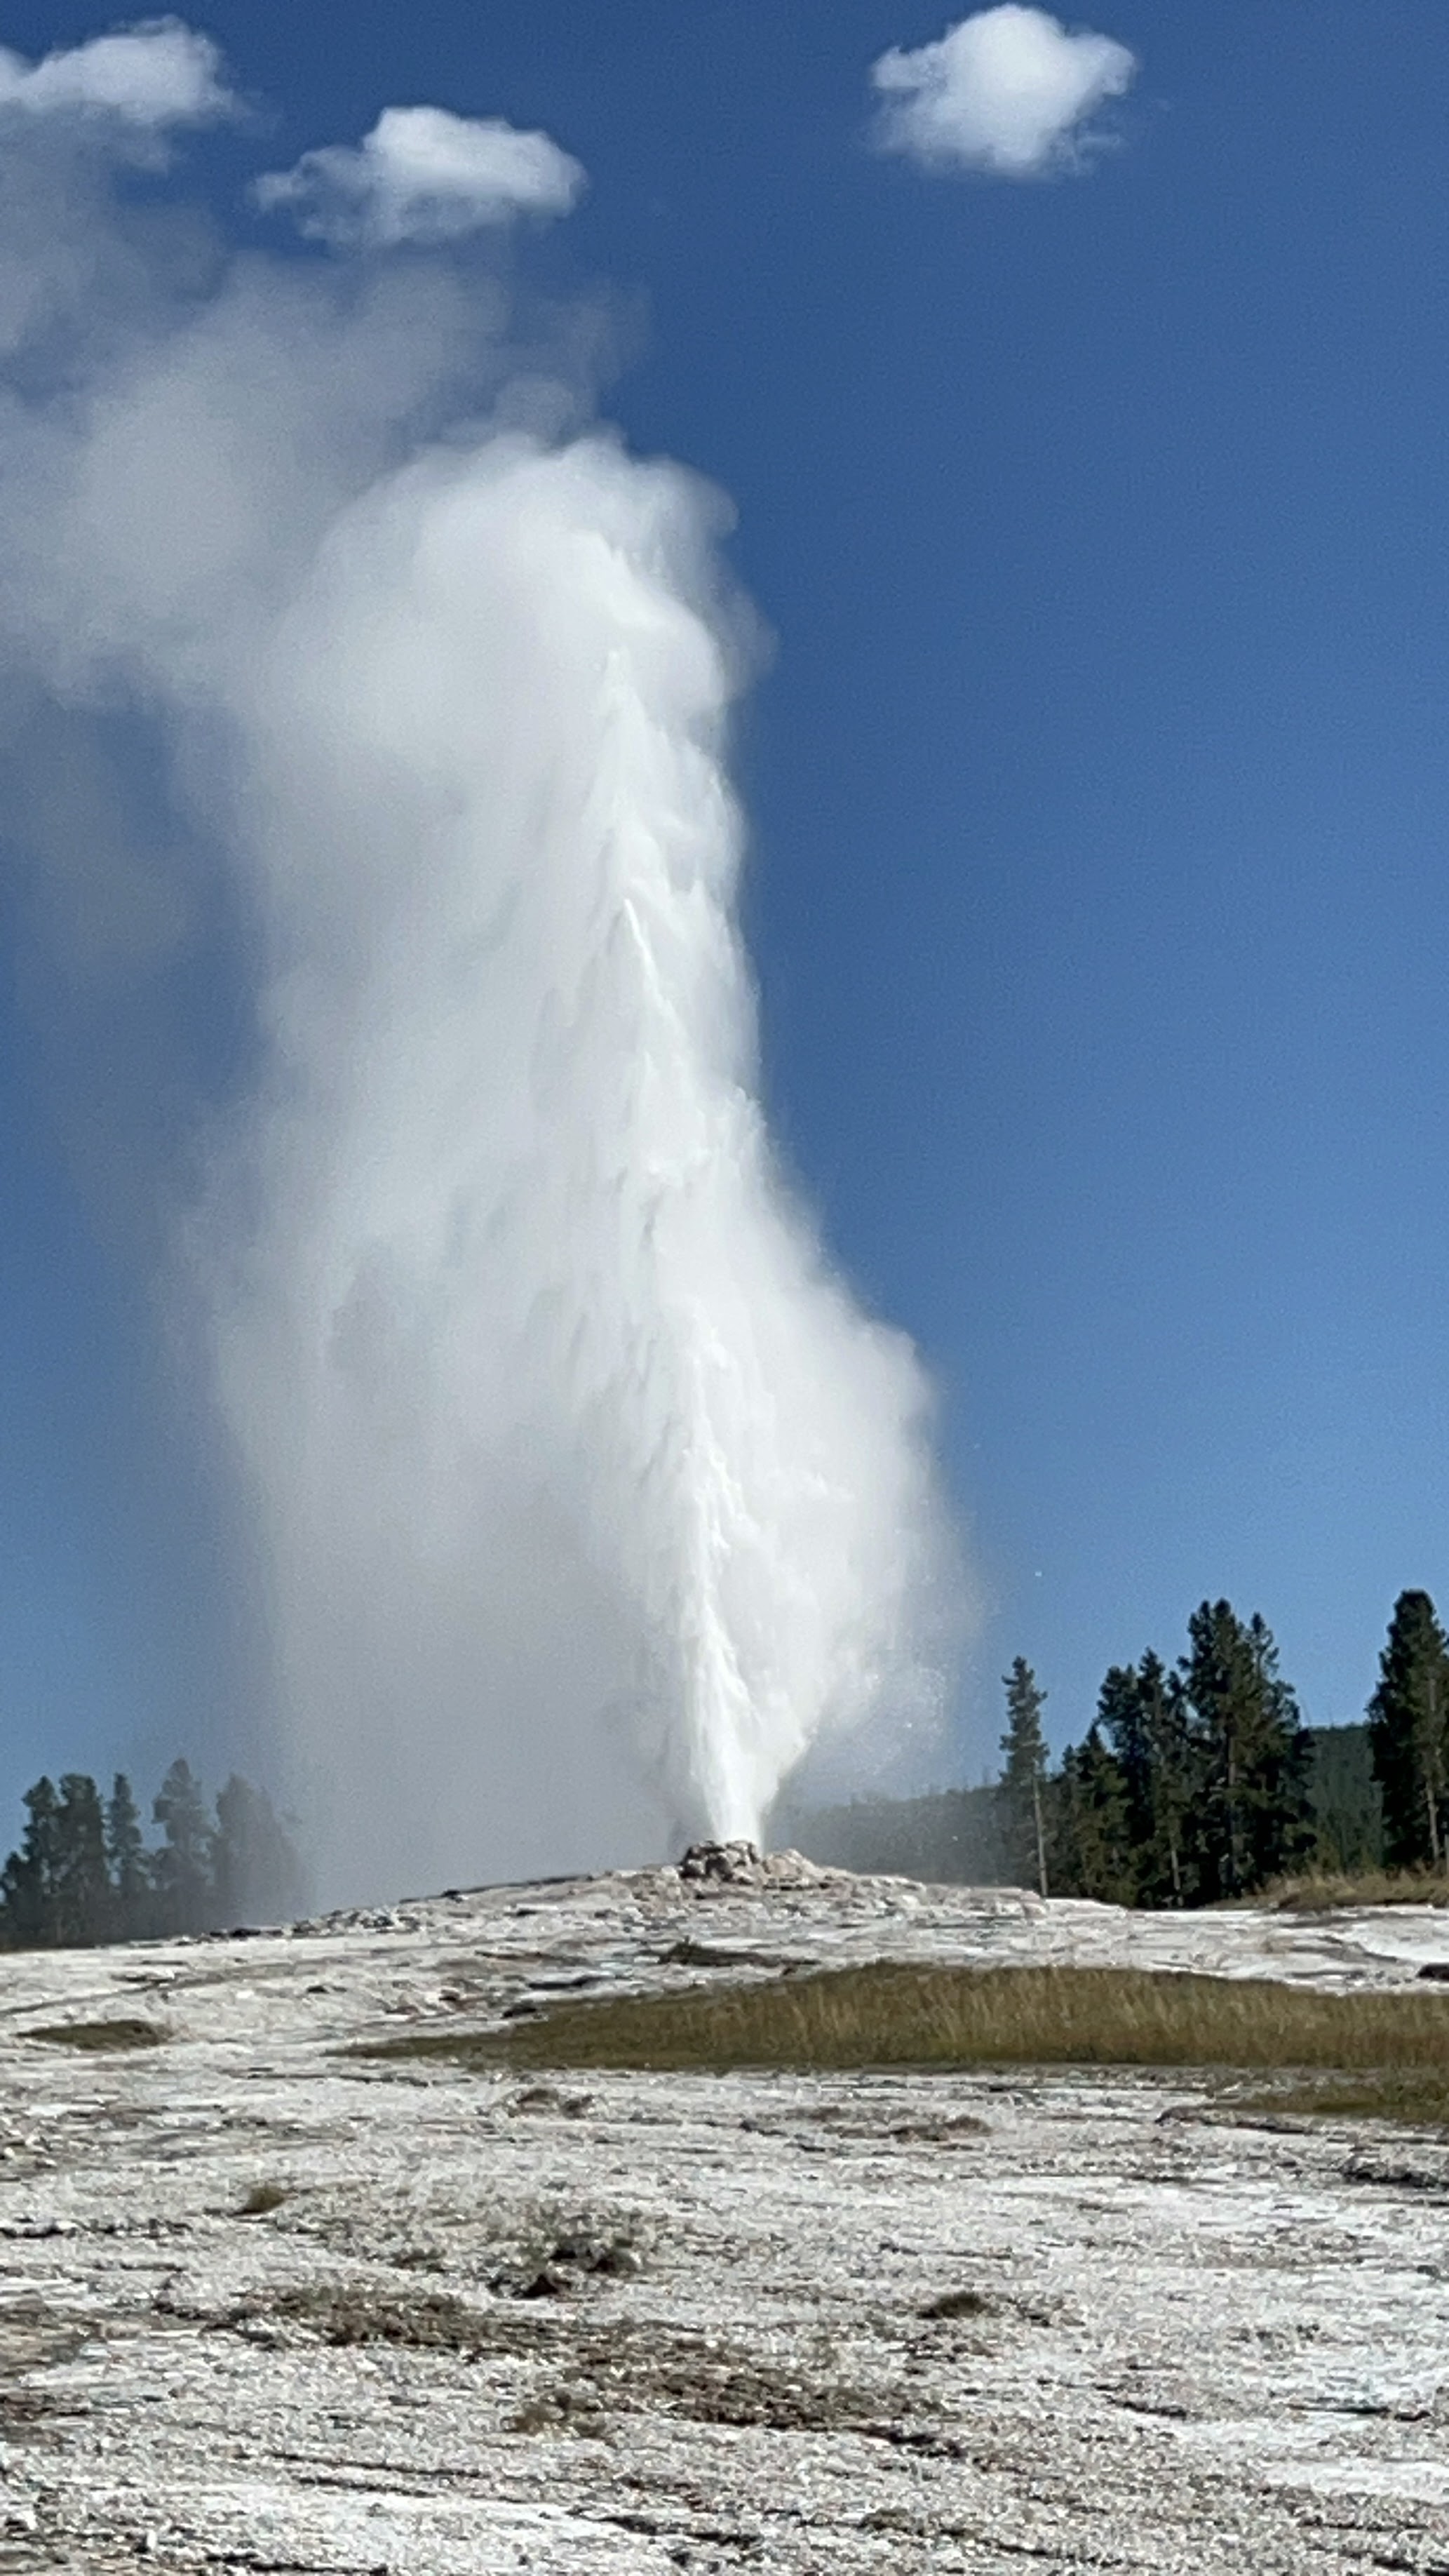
(1199, 1781)
(1195, 1781)
(83, 1873)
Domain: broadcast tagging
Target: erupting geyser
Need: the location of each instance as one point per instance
(586, 1498)
(555, 1418)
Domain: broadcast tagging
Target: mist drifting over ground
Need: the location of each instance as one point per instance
(578, 1498)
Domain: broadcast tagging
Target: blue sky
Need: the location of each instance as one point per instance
(1098, 803)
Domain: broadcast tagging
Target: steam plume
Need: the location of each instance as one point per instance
(585, 1498)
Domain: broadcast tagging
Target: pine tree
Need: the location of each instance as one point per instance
(1165, 1874)
(126, 1860)
(1122, 1718)
(1346, 1801)
(1023, 1780)
(183, 1864)
(1280, 1817)
(81, 1881)
(1409, 1735)
(1142, 1710)
(1098, 1857)
(255, 1871)
(1250, 1814)
(27, 1882)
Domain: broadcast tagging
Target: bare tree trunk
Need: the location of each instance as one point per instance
(1431, 1764)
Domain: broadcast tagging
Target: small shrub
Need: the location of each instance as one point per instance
(435, 2322)
(546, 2097)
(557, 2263)
(262, 2199)
(958, 2303)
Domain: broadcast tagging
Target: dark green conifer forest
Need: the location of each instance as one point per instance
(83, 1873)
(1193, 1783)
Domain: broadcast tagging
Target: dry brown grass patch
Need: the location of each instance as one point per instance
(1326, 1892)
(1416, 2096)
(896, 2015)
(101, 2035)
(349, 2314)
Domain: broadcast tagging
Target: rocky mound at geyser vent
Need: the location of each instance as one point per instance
(268, 2304)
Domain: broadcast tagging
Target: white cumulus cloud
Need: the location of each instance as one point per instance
(425, 175)
(1008, 91)
(152, 75)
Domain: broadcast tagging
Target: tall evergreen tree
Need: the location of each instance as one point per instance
(1346, 1800)
(1165, 1874)
(1143, 1712)
(82, 1885)
(126, 1860)
(1122, 1718)
(1409, 1735)
(255, 1871)
(183, 1864)
(1095, 1841)
(27, 1882)
(1250, 1814)
(1023, 1781)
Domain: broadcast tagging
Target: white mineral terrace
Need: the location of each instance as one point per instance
(1185, 2339)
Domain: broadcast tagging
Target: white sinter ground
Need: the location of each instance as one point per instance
(1197, 2341)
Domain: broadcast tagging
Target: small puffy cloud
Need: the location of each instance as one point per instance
(424, 175)
(1008, 91)
(150, 76)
